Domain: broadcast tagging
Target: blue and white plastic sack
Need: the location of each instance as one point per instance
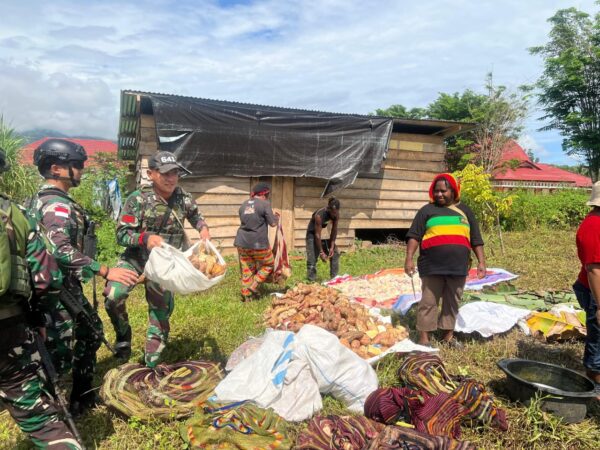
(337, 369)
(271, 379)
(289, 372)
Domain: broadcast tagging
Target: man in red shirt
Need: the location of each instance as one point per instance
(587, 286)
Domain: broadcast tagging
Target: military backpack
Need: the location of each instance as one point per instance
(14, 230)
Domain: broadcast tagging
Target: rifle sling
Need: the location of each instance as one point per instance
(170, 205)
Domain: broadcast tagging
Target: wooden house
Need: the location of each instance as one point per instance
(385, 199)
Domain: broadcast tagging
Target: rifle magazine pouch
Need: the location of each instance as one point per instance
(19, 281)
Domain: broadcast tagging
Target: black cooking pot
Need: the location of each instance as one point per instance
(568, 391)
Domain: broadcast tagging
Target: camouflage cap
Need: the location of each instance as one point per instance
(166, 161)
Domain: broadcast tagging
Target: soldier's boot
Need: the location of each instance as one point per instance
(83, 397)
(123, 345)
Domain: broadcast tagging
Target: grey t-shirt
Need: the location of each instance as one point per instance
(255, 216)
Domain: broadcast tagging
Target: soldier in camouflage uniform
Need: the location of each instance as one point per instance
(64, 223)
(152, 215)
(23, 384)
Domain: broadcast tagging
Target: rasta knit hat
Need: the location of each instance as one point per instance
(453, 182)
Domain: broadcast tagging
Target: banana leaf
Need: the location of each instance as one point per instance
(554, 328)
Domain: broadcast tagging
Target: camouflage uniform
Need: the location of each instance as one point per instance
(141, 217)
(23, 384)
(64, 223)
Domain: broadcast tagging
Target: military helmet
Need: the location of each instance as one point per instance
(3, 162)
(58, 150)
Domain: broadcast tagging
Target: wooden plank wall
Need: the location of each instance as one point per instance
(389, 199)
(282, 201)
(219, 199)
(147, 146)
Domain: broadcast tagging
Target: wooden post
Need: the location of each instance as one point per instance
(276, 201)
(287, 211)
(147, 146)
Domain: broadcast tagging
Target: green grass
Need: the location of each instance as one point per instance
(211, 325)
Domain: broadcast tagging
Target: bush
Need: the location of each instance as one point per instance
(562, 209)
(107, 168)
(21, 181)
(477, 193)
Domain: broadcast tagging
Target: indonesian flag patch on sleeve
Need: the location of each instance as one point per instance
(128, 218)
(61, 210)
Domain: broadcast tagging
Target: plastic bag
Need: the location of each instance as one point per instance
(270, 378)
(172, 269)
(338, 370)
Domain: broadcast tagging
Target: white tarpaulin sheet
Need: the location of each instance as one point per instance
(488, 318)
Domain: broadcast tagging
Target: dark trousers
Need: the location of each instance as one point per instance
(312, 256)
(591, 353)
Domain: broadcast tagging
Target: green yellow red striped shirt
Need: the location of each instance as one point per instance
(444, 230)
(446, 236)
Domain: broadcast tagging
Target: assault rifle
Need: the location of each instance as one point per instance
(90, 248)
(59, 394)
(79, 314)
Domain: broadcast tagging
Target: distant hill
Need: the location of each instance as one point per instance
(38, 133)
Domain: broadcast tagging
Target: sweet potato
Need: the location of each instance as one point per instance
(218, 269)
(386, 338)
(352, 335)
(345, 342)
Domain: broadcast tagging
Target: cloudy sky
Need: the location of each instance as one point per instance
(63, 63)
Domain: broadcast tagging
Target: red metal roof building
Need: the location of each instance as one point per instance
(92, 147)
(516, 170)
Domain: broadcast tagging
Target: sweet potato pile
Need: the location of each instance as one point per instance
(328, 309)
(206, 263)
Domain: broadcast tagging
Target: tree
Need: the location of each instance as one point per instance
(487, 203)
(579, 169)
(499, 113)
(569, 88)
(500, 118)
(457, 107)
(101, 168)
(402, 112)
(21, 181)
(531, 155)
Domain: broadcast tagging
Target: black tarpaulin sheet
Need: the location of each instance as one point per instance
(212, 138)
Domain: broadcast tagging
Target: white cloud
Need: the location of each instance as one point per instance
(66, 70)
(528, 142)
(56, 101)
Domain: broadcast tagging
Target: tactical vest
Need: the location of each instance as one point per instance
(156, 221)
(15, 284)
(78, 218)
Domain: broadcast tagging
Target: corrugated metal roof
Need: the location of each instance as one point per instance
(530, 171)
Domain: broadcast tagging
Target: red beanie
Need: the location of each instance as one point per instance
(454, 184)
